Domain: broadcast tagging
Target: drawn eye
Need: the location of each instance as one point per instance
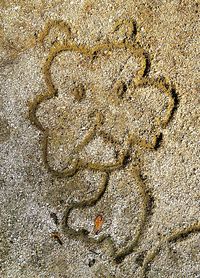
(79, 92)
(120, 88)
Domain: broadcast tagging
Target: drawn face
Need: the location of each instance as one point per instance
(98, 101)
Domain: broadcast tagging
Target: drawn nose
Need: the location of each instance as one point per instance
(79, 92)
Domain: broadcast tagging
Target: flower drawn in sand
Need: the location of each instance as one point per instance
(99, 109)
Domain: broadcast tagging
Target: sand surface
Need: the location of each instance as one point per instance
(99, 139)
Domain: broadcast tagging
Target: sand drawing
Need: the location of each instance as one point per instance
(129, 43)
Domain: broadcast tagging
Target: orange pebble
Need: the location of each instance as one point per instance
(98, 223)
